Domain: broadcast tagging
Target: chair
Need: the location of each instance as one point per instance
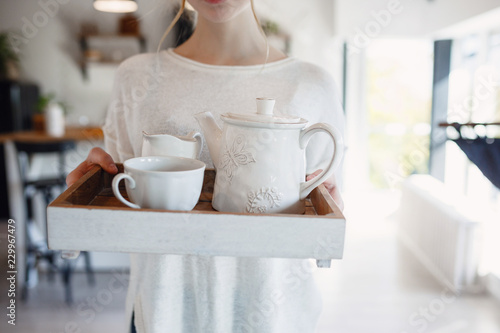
(36, 241)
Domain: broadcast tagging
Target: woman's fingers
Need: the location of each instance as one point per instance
(100, 157)
(314, 174)
(97, 156)
(331, 187)
(76, 174)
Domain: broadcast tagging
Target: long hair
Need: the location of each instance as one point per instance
(172, 24)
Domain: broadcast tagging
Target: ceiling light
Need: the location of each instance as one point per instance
(115, 6)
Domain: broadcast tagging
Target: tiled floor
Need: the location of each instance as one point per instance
(380, 288)
(95, 309)
(377, 288)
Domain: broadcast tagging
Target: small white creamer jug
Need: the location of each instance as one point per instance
(171, 145)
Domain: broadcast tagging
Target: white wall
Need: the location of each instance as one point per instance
(311, 27)
(47, 34)
(415, 18)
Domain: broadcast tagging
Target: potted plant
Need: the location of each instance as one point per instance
(9, 60)
(46, 107)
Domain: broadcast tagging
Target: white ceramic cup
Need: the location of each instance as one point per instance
(161, 182)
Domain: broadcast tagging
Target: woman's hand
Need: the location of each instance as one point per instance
(331, 187)
(97, 156)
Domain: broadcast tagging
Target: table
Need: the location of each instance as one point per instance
(72, 133)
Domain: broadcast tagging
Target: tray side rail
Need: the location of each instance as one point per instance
(84, 189)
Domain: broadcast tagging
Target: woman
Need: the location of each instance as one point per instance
(222, 67)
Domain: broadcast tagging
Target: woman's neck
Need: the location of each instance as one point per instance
(234, 43)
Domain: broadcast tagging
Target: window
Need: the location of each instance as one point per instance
(399, 95)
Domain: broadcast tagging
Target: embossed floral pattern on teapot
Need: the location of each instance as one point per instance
(260, 160)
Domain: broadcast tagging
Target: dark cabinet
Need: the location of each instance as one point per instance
(17, 105)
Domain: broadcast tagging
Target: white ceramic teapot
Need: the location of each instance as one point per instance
(170, 145)
(260, 160)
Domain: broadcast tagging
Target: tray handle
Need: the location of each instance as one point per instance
(323, 263)
(69, 254)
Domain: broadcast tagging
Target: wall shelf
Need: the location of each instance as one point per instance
(108, 49)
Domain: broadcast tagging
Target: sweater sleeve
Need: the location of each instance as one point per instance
(116, 139)
(327, 109)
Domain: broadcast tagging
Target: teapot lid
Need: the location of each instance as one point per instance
(264, 115)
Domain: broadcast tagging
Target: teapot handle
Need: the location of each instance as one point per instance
(338, 146)
(199, 138)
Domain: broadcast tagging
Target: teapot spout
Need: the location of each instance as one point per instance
(212, 133)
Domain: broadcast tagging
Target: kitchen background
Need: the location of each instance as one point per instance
(402, 66)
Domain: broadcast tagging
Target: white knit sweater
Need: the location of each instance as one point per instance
(173, 293)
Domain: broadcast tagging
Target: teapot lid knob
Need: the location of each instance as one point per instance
(265, 105)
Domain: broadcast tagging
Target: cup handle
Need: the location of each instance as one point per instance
(116, 190)
(199, 138)
(338, 146)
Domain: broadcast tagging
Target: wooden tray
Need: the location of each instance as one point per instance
(88, 217)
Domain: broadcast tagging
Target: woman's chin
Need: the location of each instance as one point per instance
(220, 11)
